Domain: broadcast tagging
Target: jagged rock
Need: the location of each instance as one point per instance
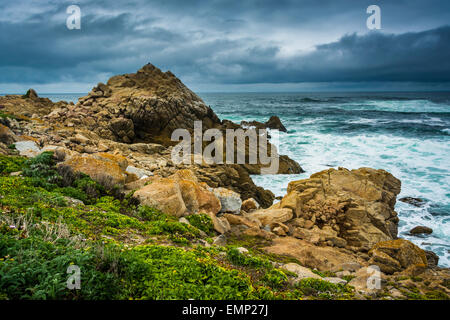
(397, 255)
(249, 205)
(432, 258)
(31, 94)
(273, 123)
(230, 201)
(421, 230)
(357, 204)
(417, 202)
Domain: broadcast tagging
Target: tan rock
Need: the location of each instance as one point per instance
(221, 225)
(357, 204)
(249, 205)
(6, 135)
(269, 216)
(309, 255)
(300, 271)
(101, 169)
(397, 255)
(234, 219)
(163, 194)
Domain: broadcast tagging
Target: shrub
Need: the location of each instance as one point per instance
(202, 221)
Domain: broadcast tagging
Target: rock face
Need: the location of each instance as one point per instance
(358, 204)
(147, 105)
(397, 255)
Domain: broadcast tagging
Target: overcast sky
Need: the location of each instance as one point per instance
(211, 45)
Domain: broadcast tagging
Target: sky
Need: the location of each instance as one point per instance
(212, 45)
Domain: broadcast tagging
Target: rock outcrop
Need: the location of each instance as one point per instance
(358, 204)
(397, 255)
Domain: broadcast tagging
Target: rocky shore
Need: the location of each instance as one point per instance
(333, 227)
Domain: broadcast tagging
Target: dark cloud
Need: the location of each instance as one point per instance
(225, 42)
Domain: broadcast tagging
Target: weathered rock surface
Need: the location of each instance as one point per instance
(300, 271)
(231, 201)
(107, 169)
(397, 255)
(357, 204)
(311, 256)
(270, 216)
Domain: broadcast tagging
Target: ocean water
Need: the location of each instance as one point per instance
(407, 134)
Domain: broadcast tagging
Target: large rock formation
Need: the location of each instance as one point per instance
(358, 205)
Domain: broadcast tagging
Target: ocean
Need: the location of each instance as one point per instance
(407, 134)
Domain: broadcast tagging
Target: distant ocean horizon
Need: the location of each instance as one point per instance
(404, 133)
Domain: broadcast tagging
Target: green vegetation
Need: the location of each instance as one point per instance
(52, 218)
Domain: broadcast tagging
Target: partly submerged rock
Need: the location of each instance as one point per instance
(421, 230)
(417, 202)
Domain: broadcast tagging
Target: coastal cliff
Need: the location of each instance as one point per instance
(93, 184)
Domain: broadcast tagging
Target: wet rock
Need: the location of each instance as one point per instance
(421, 230)
(417, 202)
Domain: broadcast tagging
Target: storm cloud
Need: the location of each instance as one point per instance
(214, 44)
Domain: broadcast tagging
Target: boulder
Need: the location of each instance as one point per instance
(368, 280)
(230, 201)
(140, 173)
(311, 256)
(234, 219)
(397, 255)
(300, 271)
(421, 230)
(357, 204)
(27, 148)
(164, 195)
(249, 205)
(6, 135)
(270, 216)
(106, 169)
